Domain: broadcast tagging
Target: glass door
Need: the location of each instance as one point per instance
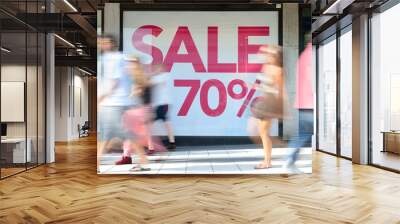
(22, 68)
(385, 89)
(346, 92)
(327, 95)
(15, 152)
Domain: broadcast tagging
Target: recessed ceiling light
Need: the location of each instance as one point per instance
(64, 40)
(70, 5)
(337, 7)
(84, 71)
(5, 50)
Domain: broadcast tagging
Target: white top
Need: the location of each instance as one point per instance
(161, 92)
(114, 72)
(266, 85)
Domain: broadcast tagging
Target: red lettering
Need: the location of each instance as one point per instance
(213, 65)
(204, 102)
(184, 37)
(245, 48)
(137, 40)
(194, 88)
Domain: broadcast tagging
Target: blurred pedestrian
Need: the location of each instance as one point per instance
(304, 104)
(138, 119)
(113, 94)
(269, 105)
(161, 101)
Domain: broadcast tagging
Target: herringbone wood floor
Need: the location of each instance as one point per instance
(70, 191)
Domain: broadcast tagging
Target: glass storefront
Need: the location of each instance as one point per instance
(213, 61)
(385, 88)
(335, 90)
(22, 77)
(334, 113)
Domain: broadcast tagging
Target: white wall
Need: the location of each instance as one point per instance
(79, 115)
(61, 106)
(71, 93)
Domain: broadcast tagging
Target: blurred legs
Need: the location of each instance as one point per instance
(264, 129)
(170, 132)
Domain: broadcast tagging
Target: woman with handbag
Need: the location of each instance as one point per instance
(269, 105)
(137, 119)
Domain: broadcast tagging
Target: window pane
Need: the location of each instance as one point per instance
(386, 89)
(346, 94)
(14, 153)
(327, 96)
(41, 98)
(31, 96)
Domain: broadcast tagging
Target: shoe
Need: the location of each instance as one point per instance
(124, 160)
(150, 152)
(171, 146)
(139, 169)
(290, 168)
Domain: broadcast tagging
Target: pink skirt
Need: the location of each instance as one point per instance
(137, 121)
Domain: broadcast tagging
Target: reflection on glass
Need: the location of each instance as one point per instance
(346, 94)
(31, 97)
(385, 89)
(327, 96)
(14, 153)
(22, 88)
(41, 99)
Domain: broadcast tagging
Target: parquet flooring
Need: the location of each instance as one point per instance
(70, 191)
(10, 171)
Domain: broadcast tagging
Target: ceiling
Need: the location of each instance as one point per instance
(101, 2)
(72, 20)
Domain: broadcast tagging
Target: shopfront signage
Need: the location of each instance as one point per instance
(212, 61)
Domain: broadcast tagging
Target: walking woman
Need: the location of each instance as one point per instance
(269, 105)
(135, 120)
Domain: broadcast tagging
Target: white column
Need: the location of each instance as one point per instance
(290, 56)
(360, 90)
(112, 20)
(50, 99)
(314, 84)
